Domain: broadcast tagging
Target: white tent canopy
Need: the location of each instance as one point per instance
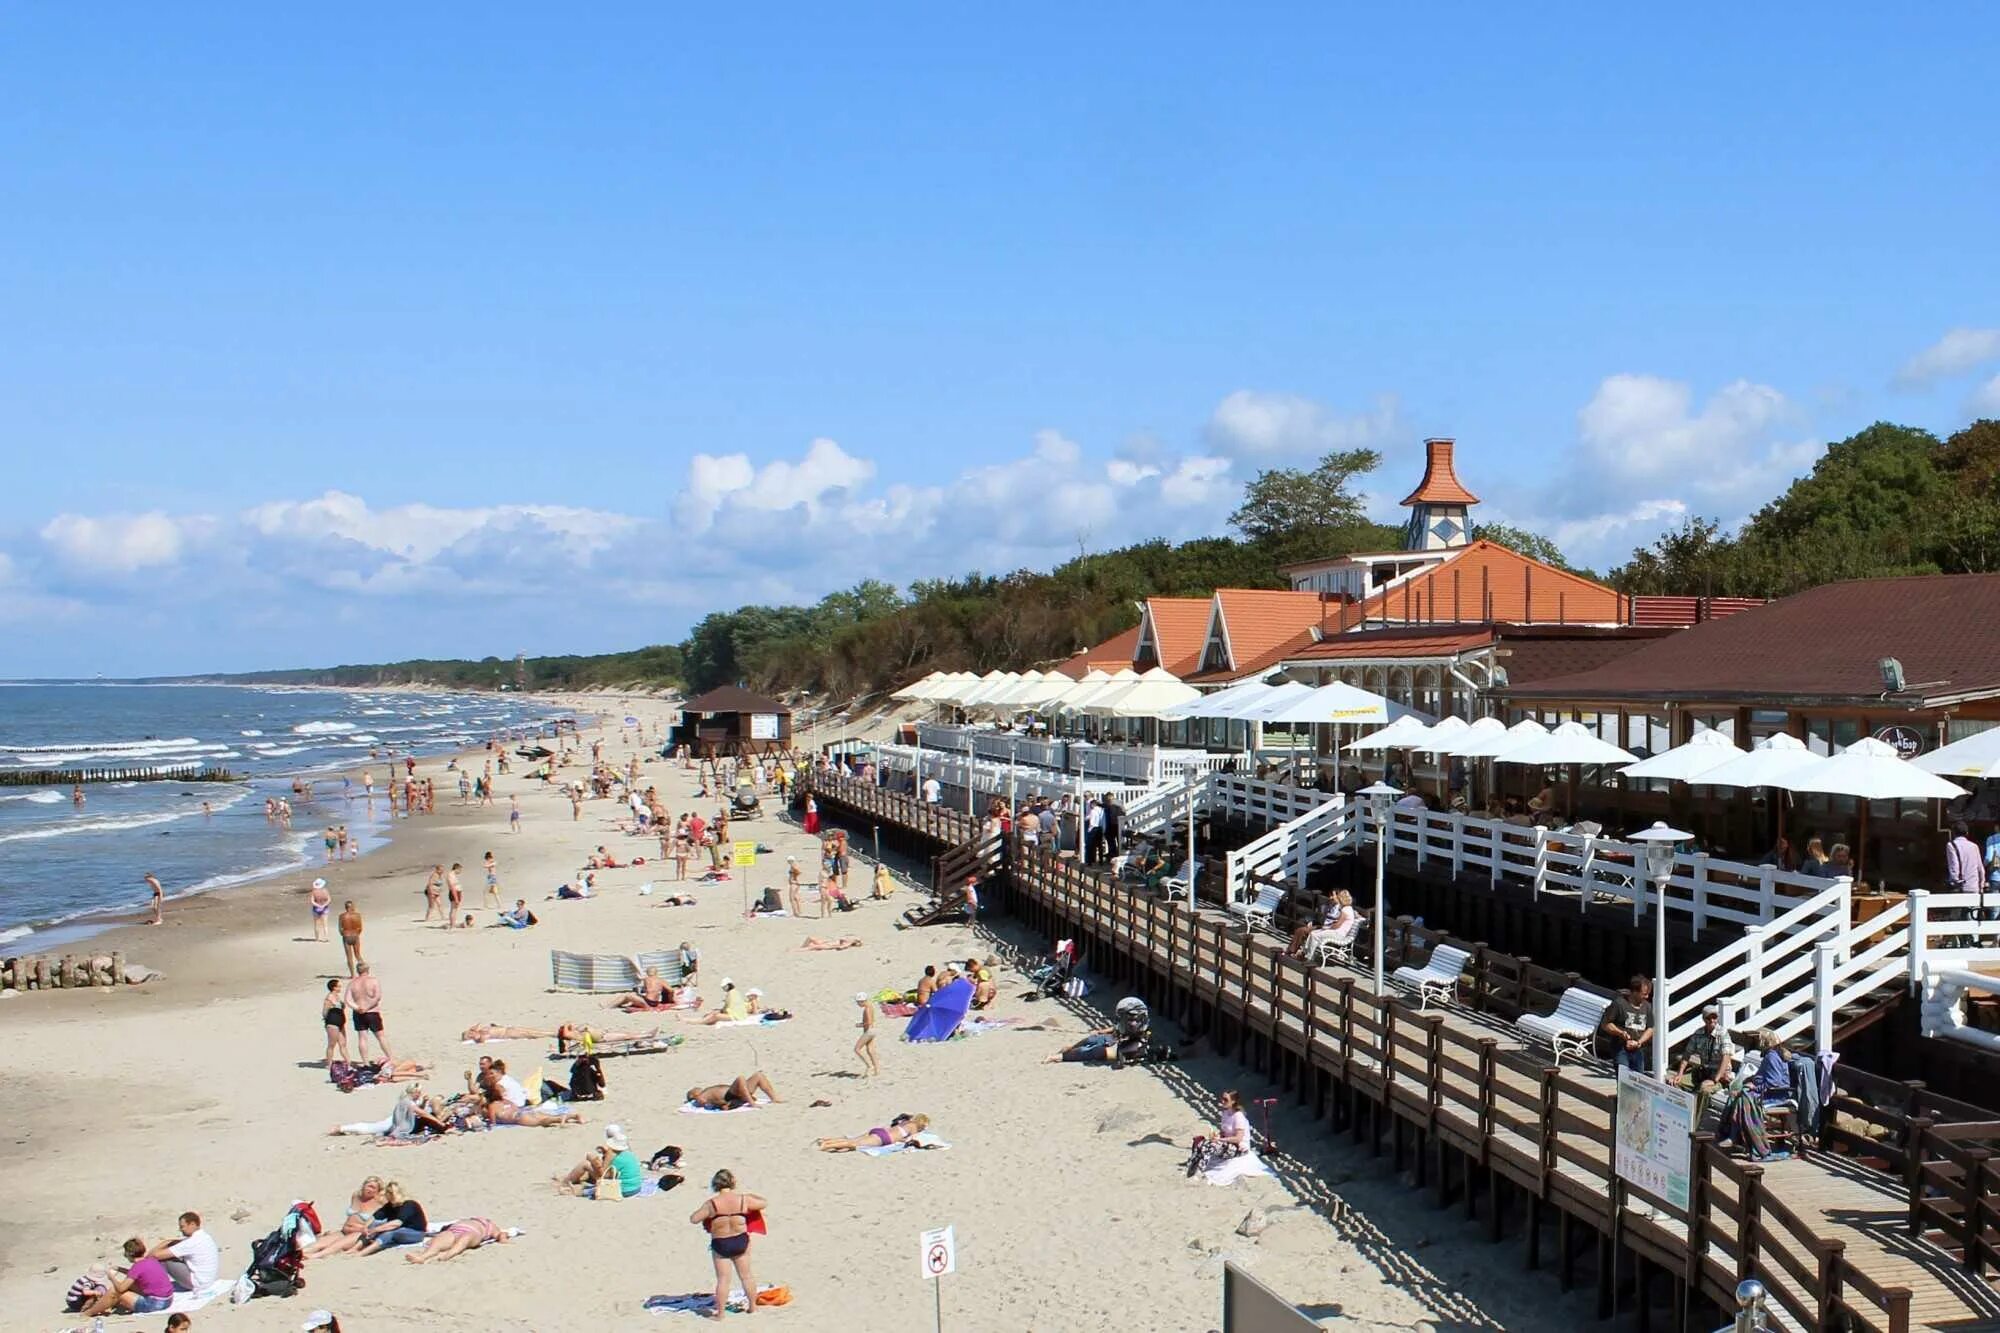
(1704, 751)
(1153, 692)
(1006, 698)
(1037, 694)
(1089, 680)
(915, 689)
(1569, 743)
(1457, 741)
(1873, 771)
(1977, 756)
(1335, 702)
(987, 686)
(1765, 765)
(1079, 699)
(1223, 703)
(1495, 744)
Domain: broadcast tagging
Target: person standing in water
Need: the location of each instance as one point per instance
(159, 895)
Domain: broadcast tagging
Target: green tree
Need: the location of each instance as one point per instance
(1289, 502)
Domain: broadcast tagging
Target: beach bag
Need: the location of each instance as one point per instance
(779, 1295)
(609, 1189)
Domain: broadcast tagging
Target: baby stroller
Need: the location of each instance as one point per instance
(1057, 976)
(277, 1262)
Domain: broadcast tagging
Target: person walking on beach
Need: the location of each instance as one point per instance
(350, 846)
(726, 1215)
(513, 814)
(368, 785)
(327, 840)
(454, 893)
(433, 887)
(350, 937)
(322, 903)
(864, 1046)
(492, 881)
(159, 897)
(364, 1000)
(333, 1017)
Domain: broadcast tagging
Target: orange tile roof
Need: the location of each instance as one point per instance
(1486, 582)
(1180, 628)
(1262, 624)
(1394, 643)
(1113, 653)
(1440, 484)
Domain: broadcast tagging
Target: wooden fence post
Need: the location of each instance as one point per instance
(1749, 1212)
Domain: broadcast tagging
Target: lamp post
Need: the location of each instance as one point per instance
(1660, 842)
(1379, 795)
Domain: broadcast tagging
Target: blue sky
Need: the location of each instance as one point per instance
(326, 338)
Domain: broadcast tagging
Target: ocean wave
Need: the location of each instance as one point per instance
(363, 739)
(377, 712)
(166, 754)
(16, 933)
(96, 825)
(252, 732)
(322, 728)
(150, 742)
(276, 751)
(38, 797)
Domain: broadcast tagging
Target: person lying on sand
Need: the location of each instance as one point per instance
(678, 900)
(821, 942)
(900, 1130)
(652, 992)
(414, 1114)
(738, 1092)
(735, 1007)
(564, 1032)
(500, 1111)
(468, 1233)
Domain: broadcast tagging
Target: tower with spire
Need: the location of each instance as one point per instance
(1439, 505)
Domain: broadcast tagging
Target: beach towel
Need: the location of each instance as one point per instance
(703, 1302)
(972, 1027)
(1232, 1169)
(940, 1018)
(187, 1302)
(925, 1140)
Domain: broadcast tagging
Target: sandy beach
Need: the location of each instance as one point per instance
(203, 1090)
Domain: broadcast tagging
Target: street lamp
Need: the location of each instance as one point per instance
(1661, 843)
(1379, 796)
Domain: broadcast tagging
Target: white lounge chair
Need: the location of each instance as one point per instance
(1258, 911)
(1572, 1028)
(1437, 979)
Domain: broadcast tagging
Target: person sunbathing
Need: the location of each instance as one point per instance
(821, 942)
(735, 1007)
(414, 1114)
(468, 1233)
(903, 1129)
(738, 1092)
(500, 1111)
(652, 992)
(569, 1036)
(354, 1229)
(564, 1032)
(678, 900)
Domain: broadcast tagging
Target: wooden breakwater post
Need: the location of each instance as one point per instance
(76, 777)
(69, 972)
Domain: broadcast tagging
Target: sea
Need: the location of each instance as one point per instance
(62, 864)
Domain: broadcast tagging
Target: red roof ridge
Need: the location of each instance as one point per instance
(1440, 484)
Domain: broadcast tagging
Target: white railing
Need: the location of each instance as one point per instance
(1253, 801)
(1165, 807)
(1290, 851)
(1756, 972)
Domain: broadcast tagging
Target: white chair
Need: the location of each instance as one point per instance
(1185, 878)
(1572, 1029)
(1436, 980)
(1259, 910)
(1325, 946)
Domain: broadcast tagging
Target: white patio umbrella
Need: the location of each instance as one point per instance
(1037, 695)
(1770, 760)
(1335, 702)
(1437, 741)
(1155, 690)
(1495, 744)
(1002, 699)
(1871, 770)
(953, 686)
(1089, 680)
(1404, 733)
(1438, 737)
(1977, 756)
(989, 685)
(1569, 743)
(1704, 751)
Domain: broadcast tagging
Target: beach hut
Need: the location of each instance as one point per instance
(731, 720)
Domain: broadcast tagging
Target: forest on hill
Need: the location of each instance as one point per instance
(1886, 500)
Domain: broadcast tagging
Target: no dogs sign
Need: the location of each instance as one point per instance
(940, 1250)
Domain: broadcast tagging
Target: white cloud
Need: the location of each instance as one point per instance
(1596, 531)
(1958, 351)
(730, 481)
(115, 543)
(1268, 426)
(1986, 399)
(1642, 427)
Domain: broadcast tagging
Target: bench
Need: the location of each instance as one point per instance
(1572, 1028)
(1322, 948)
(1437, 979)
(1184, 879)
(1259, 910)
(605, 974)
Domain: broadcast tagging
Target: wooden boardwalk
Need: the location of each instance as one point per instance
(1487, 1122)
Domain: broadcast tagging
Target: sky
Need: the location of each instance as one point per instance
(463, 330)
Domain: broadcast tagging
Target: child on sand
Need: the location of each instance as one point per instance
(864, 1046)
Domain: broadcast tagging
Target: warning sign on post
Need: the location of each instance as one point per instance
(940, 1252)
(744, 853)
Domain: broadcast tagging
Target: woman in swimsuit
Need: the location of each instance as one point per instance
(468, 1233)
(333, 1013)
(725, 1215)
(821, 942)
(360, 1212)
(739, 1092)
(500, 1111)
(322, 902)
(900, 1130)
(654, 992)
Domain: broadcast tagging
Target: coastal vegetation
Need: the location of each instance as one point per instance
(1887, 500)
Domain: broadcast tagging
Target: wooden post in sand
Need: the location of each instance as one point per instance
(117, 969)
